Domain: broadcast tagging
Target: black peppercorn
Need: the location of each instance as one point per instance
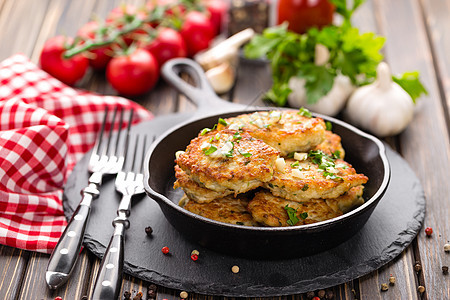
(445, 270)
(151, 294)
(321, 293)
(127, 295)
(148, 230)
(417, 267)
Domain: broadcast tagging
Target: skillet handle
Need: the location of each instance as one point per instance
(201, 93)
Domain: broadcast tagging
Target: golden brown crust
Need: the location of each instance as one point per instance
(270, 210)
(303, 180)
(348, 201)
(240, 162)
(332, 145)
(227, 209)
(285, 130)
(194, 190)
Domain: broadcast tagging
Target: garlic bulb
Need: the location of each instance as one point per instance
(330, 104)
(221, 60)
(383, 107)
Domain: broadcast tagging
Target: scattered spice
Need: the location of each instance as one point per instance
(445, 270)
(183, 295)
(316, 298)
(428, 231)
(148, 230)
(421, 289)
(392, 280)
(138, 296)
(58, 298)
(310, 295)
(321, 293)
(194, 257)
(127, 295)
(384, 287)
(447, 247)
(235, 269)
(417, 267)
(165, 250)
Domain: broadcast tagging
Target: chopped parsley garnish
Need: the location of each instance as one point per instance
(239, 223)
(210, 150)
(223, 122)
(305, 187)
(328, 126)
(304, 215)
(205, 131)
(292, 213)
(295, 164)
(326, 163)
(291, 155)
(304, 112)
(336, 154)
(245, 154)
(230, 152)
(237, 136)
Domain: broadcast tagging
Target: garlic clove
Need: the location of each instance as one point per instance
(221, 77)
(225, 51)
(322, 55)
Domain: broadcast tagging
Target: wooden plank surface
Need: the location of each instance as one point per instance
(417, 34)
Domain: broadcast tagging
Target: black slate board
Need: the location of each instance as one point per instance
(391, 228)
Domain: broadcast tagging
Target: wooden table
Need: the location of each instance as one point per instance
(418, 38)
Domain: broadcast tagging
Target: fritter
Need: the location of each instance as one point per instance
(331, 145)
(348, 201)
(272, 211)
(228, 160)
(285, 130)
(318, 176)
(227, 209)
(194, 190)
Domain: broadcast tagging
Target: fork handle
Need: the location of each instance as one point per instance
(66, 252)
(109, 279)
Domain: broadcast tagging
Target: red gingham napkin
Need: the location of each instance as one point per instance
(45, 128)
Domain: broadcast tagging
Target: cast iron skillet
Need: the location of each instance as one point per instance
(365, 152)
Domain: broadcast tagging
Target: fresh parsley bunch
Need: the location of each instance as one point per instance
(353, 54)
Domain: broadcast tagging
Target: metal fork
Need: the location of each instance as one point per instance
(107, 158)
(129, 182)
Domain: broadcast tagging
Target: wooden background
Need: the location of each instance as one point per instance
(418, 38)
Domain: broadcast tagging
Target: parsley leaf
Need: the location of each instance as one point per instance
(410, 82)
(210, 150)
(292, 214)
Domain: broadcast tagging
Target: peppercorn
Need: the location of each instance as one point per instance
(148, 230)
(391, 280)
(321, 293)
(447, 247)
(417, 267)
(445, 270)
(165, 250)
(194, 257)
(183, 295)
(127, 295)
(330, 295)
(138, 296)
(151, 294)
(58, 298)
(421, 289)
(235, 269)
(315, 298)
(310, 295)
(384, 287)
(428, 231)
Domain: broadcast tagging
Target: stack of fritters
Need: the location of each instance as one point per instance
(270, 168)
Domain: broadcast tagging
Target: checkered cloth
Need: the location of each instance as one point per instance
(45, 128)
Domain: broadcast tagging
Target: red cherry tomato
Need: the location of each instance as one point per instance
(167, 45)
(217, 13)
(133, 74)
(304, 14)
(197, 31)
(100, 57)
(52, 61)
